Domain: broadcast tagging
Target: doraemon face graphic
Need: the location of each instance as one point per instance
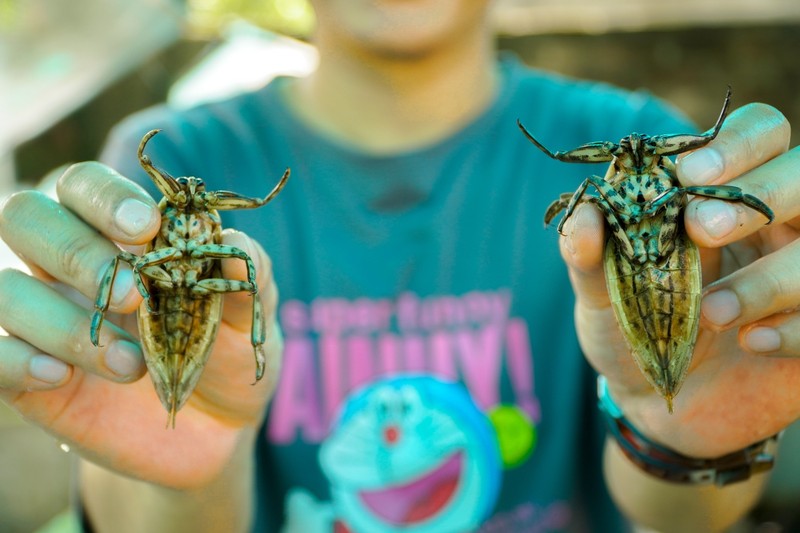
(412, 454)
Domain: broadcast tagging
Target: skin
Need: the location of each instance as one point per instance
(387, 62)
(91, 406)
(739, 389)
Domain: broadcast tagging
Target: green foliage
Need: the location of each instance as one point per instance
(9, 12)
(291, 17)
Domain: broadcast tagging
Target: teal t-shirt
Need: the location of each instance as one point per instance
(432, 380)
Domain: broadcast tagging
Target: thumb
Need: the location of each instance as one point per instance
(599, 334)
(582, 249)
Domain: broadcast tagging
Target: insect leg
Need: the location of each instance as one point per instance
(258, 327)
(224, 251)
(222, 200)
(676, 144)
(103, 298)
(556, 207)
(669, 226)
(147, 266)
(651, 207)
(611, 201)
(166, 184)
(733, 194)
(595, 152)
(615, 225)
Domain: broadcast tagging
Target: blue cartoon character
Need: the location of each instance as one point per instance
(411, 454)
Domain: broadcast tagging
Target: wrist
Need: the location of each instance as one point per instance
(669, 465)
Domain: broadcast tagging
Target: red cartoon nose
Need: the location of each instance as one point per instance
(391, 434)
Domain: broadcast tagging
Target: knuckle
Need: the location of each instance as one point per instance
(9, 279)
(768, 115)
(756, 122)
(76, 172)
(771, 292)
(18, 203)
(71, 252)
(76, 341)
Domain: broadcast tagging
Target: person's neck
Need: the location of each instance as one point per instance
(382, 105)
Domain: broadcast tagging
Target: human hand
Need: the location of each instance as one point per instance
(743, 383)
(92, 398)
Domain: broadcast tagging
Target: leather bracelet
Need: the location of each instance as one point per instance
(669, 465)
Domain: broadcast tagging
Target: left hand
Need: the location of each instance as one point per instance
(744, 382)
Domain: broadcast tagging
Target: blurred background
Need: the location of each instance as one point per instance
(70, 70)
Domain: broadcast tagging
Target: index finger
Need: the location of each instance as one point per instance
(749, 137)
(64, 239)
(116, 206)
(750, 153)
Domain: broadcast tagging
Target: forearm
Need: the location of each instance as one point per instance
(121, 504)
(666, 507)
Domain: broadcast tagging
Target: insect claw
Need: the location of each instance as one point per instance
(261, 363)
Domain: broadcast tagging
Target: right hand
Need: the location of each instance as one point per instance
(92, 398)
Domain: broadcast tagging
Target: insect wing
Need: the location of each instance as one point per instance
(658, 310)
(177, 339)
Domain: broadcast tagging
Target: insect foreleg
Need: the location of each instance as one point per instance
(103, 298)
(596, 152)
(225, 200)
(166, 184)
(733, 194)
(676, 144)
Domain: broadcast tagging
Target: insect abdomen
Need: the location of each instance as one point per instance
(657, 307)
(177, 339)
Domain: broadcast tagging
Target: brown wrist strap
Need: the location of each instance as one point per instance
(669, 465)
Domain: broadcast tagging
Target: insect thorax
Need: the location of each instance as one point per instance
(186, 230)
(187, 225)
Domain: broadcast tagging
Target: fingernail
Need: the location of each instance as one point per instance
(47, 369)
(239, 240)
(717, 218)
(721, 307)
(133, 216)
(569, 230)
(124, 358)
(701, 166)
(763, 339)
(577, 225)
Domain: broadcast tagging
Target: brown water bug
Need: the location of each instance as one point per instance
(180, 279)
(652, 268)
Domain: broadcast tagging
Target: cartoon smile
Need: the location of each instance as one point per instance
(412, 454)
(419, 498)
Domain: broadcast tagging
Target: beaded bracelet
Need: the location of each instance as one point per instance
(669, 465)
